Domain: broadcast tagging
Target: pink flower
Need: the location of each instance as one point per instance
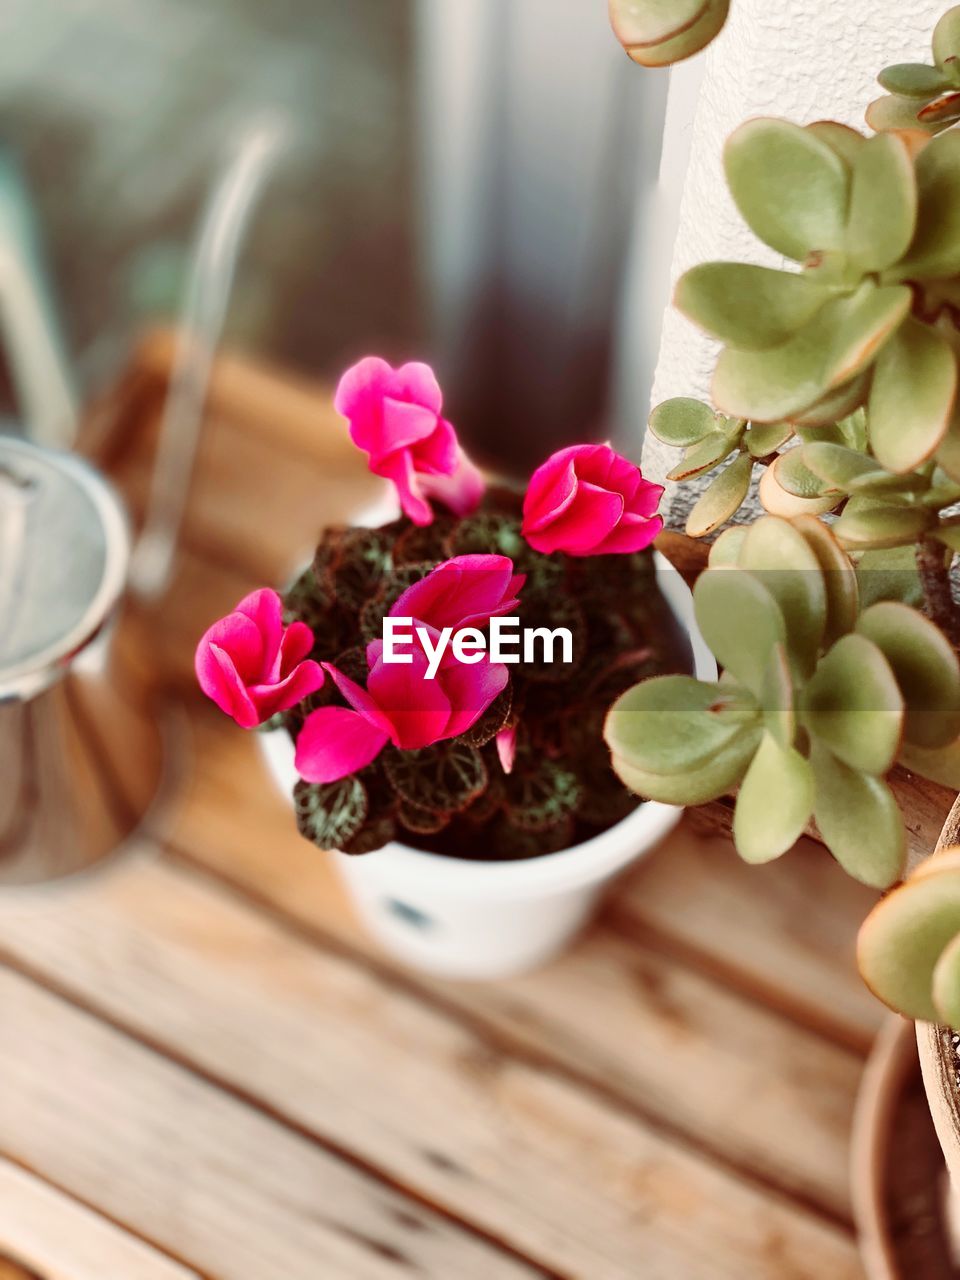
(251, 666)
(400, 704)
(394, 415)
(506, 744)
(590, 501)
(466, 591)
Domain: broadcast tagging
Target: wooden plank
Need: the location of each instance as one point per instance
(185, 1164)
(564, 1177)
(53, 1237)
(784, 932)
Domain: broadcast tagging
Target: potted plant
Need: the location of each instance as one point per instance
(832, 615)
(438, 683)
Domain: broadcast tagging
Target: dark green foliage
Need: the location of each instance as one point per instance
(454, 797)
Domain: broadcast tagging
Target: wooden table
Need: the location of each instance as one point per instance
(208, 1070)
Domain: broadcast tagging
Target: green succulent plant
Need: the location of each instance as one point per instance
(921, 96)
(816, 703)
(657, 33)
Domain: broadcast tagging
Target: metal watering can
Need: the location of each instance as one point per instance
(83, 753)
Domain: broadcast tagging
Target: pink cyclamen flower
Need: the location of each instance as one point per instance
(466, 591)
(588, 500)
(506, 744)
(252, 666)
(394, 415)
(400, 705)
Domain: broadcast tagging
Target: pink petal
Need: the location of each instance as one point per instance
(470, 690)
(359, 398)
(403, 425)
(461, 492)
(335, 742)
(418, 383)
(465, 591)
(359, 699)
(506, 744)
(265, 609)
(398, 467)
(438, 453)
(645, 499)
(417, 708)
(304, 679)
(586, 522)
(633, 533)
(221, 683)
(296, 644)
(238, 636)
(551, 490)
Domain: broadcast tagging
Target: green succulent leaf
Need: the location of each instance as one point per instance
(725, 552)
(889, 574)
(904, 936)
(835, 405)
(876, 526)
(945, 987)
(925, 667)
(949, 535)
(789, 185)
(894, 112)
(939, 764)
(935, 250)
(913, 80)
(740, 621)
(765, 438)
(779, 501)
(748, 306)
(779, 556)
(883, 203)
(852, 705)
(774, 802)
(946, 37)
(840, 138)
(683, 421)
(859, 819)
(648, 22)
(912, 396)
(827, 352)
(721, 498)
(836, 466)
(798, 478)
(776, 698)
(683, 44)
(673, 723)
(940, 112)
(708, 452)
(718, 776)
(839, 577)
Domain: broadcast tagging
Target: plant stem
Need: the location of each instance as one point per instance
(934, 570)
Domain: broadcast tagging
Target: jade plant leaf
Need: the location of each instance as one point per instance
(778, 555)
(669, 724)
(841, 340)
(939, 764)
(946, 37)
(776, 698)
(945, 985)
(740, 621)
(904, 936)
(748, 306)
(839, 577)
(877, 526)
(789, 185)
(708, 452)
(683, 421)
(853, 706)
(716, 777)
(859, 819)
(836, 404)
(912, 396)
(774, 802)
(765, 438)
(646, 22)
(796, 476)
(722, 497)
(725, 552)
(935, 250)
(925, 667)
(889, 574)
(894, 112)
(883, 203)
(840, 138)
(778, 501)
(682, 44)
(913, 80)
(835, 465)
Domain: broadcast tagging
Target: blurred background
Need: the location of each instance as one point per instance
(465, 181)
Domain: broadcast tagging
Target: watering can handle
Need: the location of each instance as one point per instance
(47, 394)
(225, 218)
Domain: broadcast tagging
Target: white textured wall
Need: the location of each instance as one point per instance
(804, 60)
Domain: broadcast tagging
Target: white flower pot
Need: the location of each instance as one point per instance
(460, 918)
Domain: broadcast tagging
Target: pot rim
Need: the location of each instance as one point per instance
(591, 860)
